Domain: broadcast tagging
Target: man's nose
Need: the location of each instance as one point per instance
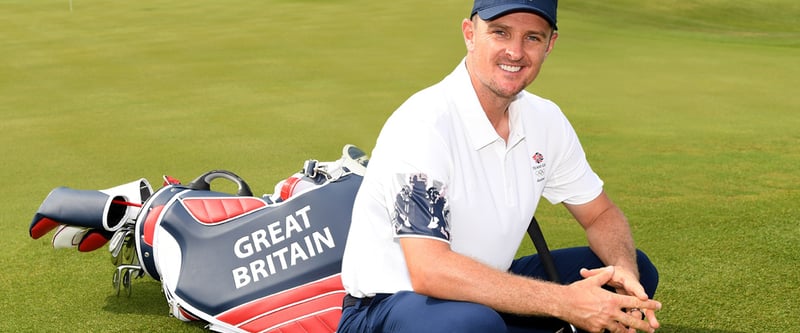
(514, 51)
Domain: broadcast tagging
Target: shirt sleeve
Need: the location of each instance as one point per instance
(572, 180)
(414, 172)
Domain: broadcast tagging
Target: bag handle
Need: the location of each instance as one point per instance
(203, 182)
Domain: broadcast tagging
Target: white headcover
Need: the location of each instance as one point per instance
(131, 195)
(68, 236)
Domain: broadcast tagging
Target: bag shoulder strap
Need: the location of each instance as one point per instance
(535, 232)
(549, 264)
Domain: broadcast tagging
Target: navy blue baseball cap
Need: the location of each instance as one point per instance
(489, 10)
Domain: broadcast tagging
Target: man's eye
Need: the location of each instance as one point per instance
(534, 38)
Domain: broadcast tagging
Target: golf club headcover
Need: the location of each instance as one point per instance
(84, 239)
(95, 215)
(133, 194)
(67, 236)
(80, 208)
(94, 239)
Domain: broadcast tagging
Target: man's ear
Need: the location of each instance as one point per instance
(552, 43)
(468, 30)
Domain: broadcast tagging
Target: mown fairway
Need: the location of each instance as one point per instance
(687, 109)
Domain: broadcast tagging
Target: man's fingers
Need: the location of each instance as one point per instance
(636, 289)
(630, 302)
(633, 321)
(621, 279)
(600, 276)
(587, 273)
(636, 313)
(650, 315)
(641, 317)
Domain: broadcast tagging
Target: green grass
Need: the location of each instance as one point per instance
(687, 109)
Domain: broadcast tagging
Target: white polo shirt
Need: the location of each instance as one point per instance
(439, 170)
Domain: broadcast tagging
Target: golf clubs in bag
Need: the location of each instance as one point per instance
(241, 263)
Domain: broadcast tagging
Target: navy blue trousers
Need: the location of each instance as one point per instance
(414, 313)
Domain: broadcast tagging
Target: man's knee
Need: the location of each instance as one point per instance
(416, 313)
(469, 317)
(648, 274)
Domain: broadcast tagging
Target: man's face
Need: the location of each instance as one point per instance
(505, 55)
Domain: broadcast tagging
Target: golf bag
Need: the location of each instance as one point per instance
(239, 262)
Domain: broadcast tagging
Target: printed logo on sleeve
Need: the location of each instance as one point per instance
(421, 209)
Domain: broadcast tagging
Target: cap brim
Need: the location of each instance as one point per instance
(492, 13)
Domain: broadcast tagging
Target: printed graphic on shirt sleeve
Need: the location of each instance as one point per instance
(420, 209)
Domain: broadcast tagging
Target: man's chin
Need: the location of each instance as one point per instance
(507, 92)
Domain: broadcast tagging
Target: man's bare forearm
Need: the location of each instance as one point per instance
(456, 277)
(610, 238)
(607, 232)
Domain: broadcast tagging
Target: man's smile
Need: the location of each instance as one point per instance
(509, 68)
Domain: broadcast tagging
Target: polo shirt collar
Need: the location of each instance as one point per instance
(478, 128)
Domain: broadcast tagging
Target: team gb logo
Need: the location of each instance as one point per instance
(538, 158)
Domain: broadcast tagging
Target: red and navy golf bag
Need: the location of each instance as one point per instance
(241, 263)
